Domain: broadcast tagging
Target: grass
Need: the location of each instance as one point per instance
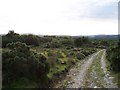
(53, 71)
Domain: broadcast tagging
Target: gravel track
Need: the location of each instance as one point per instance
(77, 75)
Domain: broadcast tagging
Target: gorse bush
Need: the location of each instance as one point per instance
(114, 57)
(19, 62)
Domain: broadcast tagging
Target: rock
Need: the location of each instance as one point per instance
(95, 86)
(95, 77)
(107, 75)
(74, 74)
(104, 71)
(68, 82)
(111, 77)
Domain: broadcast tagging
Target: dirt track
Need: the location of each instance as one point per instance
(93, 68)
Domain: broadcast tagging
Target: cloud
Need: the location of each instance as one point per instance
(104, 9)
(61, 17)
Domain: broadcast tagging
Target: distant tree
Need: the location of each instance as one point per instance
(81, 41)
(30, 39)
(9, 38)
(54, 44)
(11, 33)
(104, 43)
(67, 42)
(14, 37)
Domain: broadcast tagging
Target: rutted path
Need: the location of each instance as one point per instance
(78, 80)
(91, 73)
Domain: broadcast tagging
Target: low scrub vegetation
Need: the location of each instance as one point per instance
(21, 64)
(39, 61)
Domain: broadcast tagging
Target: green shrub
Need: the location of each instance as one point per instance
(114, 57)
(19, 62)
(80, 55)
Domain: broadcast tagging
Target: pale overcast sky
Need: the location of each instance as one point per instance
(59, 17)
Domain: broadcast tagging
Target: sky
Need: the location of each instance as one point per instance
(59, 17)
